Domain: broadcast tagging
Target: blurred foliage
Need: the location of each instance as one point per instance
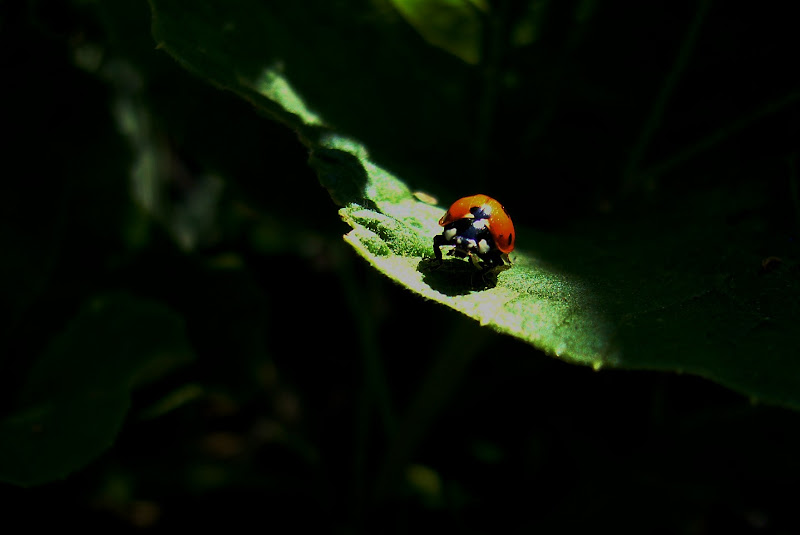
(149, 218)
(77, 394)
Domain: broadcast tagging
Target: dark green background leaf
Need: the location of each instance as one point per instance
(77, 395)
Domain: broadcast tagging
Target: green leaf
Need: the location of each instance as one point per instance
(677, 287)
(332, 65)
(452, 25)
(77, 394)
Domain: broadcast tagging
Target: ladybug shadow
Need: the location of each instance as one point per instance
(454, 276)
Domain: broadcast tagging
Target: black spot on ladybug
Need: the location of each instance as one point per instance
(478, 212)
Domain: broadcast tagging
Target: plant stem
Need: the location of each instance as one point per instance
(719, 135)
(793, 188)
(433, 394)
(374, 374)
(653, 122)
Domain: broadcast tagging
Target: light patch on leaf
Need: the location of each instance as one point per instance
(549, 310)
(532, 301)
(273, 85)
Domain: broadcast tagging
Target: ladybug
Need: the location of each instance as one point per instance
(477, 227)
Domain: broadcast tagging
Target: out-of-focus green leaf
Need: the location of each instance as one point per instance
(452, 25)
(680, 288)
(77, 394)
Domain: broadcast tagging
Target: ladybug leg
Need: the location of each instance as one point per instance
(495, 262)
(476, 262)
(492, 260)
(486, 275)
(438, 242)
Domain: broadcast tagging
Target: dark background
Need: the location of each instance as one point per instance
(314, 399)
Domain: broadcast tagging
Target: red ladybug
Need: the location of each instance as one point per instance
(477, 227)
